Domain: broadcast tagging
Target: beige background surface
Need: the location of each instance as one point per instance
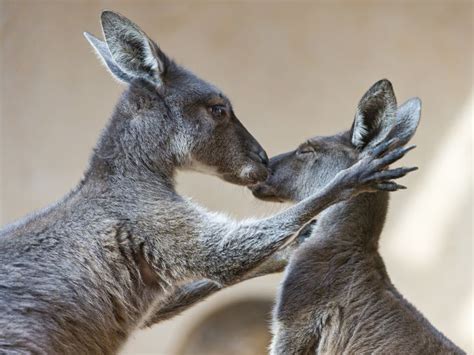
(293, 70)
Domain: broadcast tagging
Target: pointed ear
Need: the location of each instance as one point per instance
(374, 113)
(132, 50)
(104, 55)
(407, 120)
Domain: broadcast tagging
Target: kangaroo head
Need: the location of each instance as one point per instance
(299, 173)
(195, 118)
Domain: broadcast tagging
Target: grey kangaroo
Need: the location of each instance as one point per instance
(336, 297)
(79, 276)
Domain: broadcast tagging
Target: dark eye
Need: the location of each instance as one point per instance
(218, 111)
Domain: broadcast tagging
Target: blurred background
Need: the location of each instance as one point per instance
(292, 70)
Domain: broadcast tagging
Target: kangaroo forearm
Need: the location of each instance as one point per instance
(188, 295)
(241, 252)
(248, 244)
(293, 218)
(279, 260)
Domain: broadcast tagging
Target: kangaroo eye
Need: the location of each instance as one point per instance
(218, 111)
(305, 150)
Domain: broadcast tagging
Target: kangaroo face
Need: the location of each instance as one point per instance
(202, 131)
(298, 174)
(218, 142)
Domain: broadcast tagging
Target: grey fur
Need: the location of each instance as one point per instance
(79, 276)
(336, 297)
(190, 294)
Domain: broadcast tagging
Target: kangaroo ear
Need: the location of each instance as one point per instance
(104, 55)
(132, 50)
(407, 120)
(375, 112)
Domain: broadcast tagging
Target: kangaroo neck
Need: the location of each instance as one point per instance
(359, 220)
(121, 164)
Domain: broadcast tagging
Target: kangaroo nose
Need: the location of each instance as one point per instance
(263, 157)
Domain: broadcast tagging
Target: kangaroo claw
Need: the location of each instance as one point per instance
(389, 174)
(392, 156)
(390, 186)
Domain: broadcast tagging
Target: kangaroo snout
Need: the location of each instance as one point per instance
(254, 173)
(274, 188)
(266, 190)
(262, 156)
(255, 170)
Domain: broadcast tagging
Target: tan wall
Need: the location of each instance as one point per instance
(292, 70)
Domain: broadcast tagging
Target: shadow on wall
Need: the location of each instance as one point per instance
(240, 328)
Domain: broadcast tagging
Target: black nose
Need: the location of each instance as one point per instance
(263, 157)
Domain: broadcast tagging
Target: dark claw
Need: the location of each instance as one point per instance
(393, 156)
(410, 147)
(390, 186)
(409, 170)
(390, 174)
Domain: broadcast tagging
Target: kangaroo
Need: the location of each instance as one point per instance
(79, 276)
(336, 297)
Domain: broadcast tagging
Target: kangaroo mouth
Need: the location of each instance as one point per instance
(247, 177)
(265, 192)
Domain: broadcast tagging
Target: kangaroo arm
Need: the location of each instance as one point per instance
(192, 293)
(231, 257)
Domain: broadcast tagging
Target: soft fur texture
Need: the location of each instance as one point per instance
(336, 297)
(79, 276)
